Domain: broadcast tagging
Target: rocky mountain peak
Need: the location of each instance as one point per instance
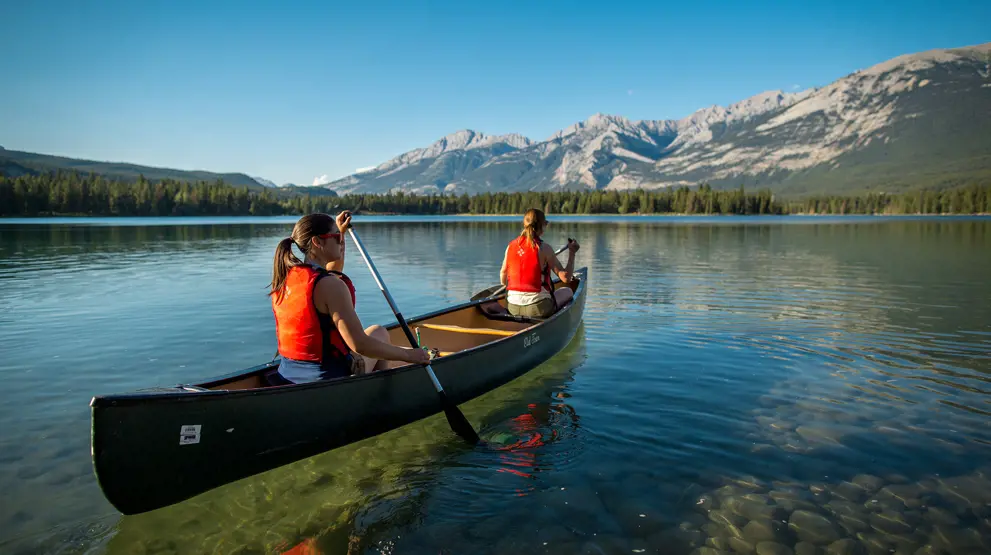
(882, 115)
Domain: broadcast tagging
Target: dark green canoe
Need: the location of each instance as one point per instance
(153, 448)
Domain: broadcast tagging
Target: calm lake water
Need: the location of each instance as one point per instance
(759, 385)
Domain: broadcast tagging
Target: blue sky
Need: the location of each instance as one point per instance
(290, 92)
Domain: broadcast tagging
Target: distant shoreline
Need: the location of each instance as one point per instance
(681, 214)
(469, 215)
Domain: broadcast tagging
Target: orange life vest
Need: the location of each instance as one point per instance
(523, 267)
(303, 332)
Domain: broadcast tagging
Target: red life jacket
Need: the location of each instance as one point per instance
(523, 268)
(303, 332)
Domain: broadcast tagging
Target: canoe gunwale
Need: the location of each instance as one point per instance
(178, 395)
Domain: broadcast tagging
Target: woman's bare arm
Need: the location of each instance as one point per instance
(503, 273)
(335, 298)
(343, 220)
(563, 273)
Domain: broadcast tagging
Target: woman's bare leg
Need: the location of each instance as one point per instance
(371, 364)
(562, 296)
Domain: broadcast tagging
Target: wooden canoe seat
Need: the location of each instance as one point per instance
(459, 329)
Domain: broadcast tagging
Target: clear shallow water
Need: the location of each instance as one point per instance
(745, 385)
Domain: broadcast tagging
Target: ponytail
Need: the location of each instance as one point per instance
(285, 259)
(533, 225)
(531, 235)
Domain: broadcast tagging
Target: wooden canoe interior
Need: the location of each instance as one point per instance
(457, 330)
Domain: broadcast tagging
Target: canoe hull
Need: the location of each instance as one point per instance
(158, 448)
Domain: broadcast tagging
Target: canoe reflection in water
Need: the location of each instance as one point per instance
(531, 430)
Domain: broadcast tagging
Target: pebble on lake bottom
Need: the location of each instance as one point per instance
(862, 515)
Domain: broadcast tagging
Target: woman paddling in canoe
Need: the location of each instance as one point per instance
(320, 336)
(526, 271)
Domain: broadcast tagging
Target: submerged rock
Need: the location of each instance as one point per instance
(909, 494)
(907, 542)
(884, 504)
(848, 491)
(772, 548)
(875, 544)
(820, 434)
(713, 529)
(794, 447)
(750, 508)
(870, 483)
(843, 507)
(813, 528)
(853, 523)
(806, 548)
(965, 491)
(741, 545)
(792, 499)
(726, 518)
(765, 421)
(786, 492)
(731, 531)
(956, 540)
(757, 531)
(843, 547)
(718, 542)
(937, 515)
(728, 491)
(709, 551)
(751, 483)
(892, 524)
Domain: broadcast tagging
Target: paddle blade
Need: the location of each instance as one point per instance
(456, 419)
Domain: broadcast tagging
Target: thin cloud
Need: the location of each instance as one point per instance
(629, 92)
(363, 170)
(795, 87)
(322, 180)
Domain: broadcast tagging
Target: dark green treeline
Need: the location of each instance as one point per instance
(69, 193)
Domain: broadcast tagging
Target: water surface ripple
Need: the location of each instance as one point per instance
(757, 385)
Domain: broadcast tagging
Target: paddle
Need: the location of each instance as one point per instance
(455, 418)
(497, 289)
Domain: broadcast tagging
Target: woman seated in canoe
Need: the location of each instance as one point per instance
(319, 334)
(526, 271)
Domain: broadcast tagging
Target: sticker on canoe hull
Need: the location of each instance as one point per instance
(189, 434)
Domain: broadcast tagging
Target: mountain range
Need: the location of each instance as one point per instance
(919, 120)
(14, 163)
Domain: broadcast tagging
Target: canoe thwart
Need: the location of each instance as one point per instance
(459, 329)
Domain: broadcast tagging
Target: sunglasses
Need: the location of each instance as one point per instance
(337, 236)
